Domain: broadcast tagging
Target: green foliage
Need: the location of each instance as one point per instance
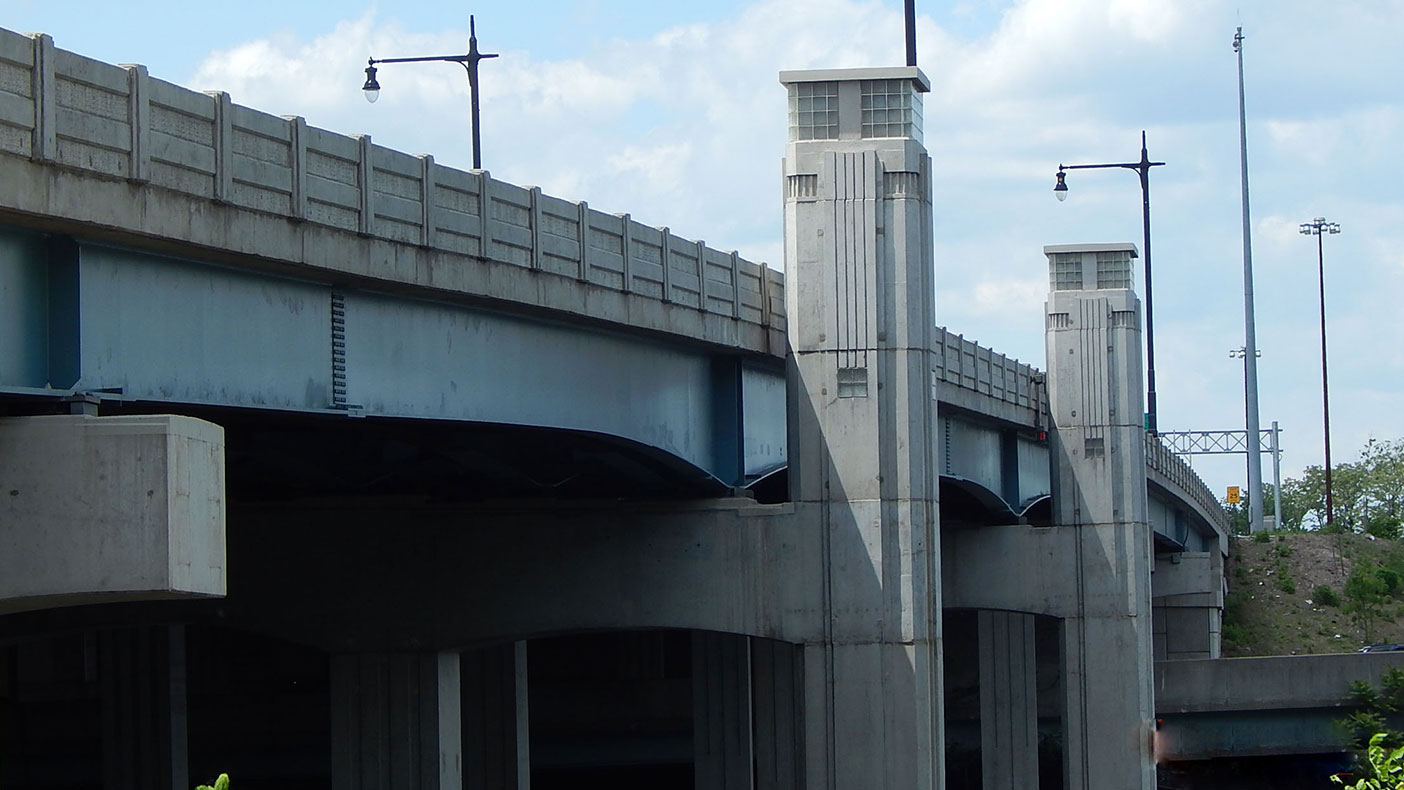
(1383, 766)
(1325, 595)
(1367, 495)
(221, 783)
(1384, 527)
(1379, 748)
(1366, 595)
(1392, 689)
(1261, 537)
(1390, 578)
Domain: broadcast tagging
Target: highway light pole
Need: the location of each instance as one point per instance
(1142, 168)
(1320, 227)
(468, 61)
(1250, 334)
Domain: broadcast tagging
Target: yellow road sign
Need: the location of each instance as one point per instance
(1234, 495)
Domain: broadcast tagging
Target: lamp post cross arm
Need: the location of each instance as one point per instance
(469, 61)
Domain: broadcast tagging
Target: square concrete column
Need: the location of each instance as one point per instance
(777, 687)
(141, 676)
(1096, 402)
(496, 724)
(721, 712)
(1008, 701)
(860, 301)
(395, 722)
(1188, 602)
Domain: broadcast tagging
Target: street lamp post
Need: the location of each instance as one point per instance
(1142, 168)
(1320, 227)
(468, 61)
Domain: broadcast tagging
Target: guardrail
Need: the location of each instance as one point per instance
(60, 108)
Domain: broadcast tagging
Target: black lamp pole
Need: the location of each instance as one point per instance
(1142, 169)
(468, 61)
(1320, 227)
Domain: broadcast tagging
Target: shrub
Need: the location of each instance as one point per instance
(1262, 537)
(1390, 578)
(1325, 595)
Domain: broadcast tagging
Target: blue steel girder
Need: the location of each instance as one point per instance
(146, 327)
(1003, 468)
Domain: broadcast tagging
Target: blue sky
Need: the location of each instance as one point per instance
(673, 112)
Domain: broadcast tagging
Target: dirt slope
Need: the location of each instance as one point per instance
(1273, 606)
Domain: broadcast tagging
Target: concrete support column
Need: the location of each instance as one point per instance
(1008, 701)
(860, 298)
(395, 722)
(496, 727)
(777, 686)
(141, 675)
(1107, 718)
(1099, 457)
(721, 712)
(1188, 602)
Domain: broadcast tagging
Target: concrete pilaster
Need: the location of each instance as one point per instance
(777, 683)
(860, 301)
(721, 712)
(141, 676)
(1096, 405)
(1008, 701)
(496, 726)
(396, 722)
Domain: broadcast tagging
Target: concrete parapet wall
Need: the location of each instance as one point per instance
(116, 122)
(98, 509)
(1170, 472)
(1266, 682)
(973, 377)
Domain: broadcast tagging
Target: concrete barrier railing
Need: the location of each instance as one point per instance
(60, 108)
(1173, 469)
(967, 365)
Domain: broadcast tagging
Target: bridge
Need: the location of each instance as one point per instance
(445, 459)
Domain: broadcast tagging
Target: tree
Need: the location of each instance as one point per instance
(1368, 494)
(1367, 591)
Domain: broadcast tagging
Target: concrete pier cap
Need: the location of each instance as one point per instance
(103, 509)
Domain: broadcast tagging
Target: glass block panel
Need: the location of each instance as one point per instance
(814, 111)
(891, 108)
(1066, 274)
(853, 382)
(1113, 270)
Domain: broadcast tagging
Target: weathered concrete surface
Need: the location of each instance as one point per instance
(97, 509)
(1259, 706)
(1099, 452)
(1265, 683)
(1187, 598)
(861, 304)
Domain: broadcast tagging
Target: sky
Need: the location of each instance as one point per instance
(673, 112)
